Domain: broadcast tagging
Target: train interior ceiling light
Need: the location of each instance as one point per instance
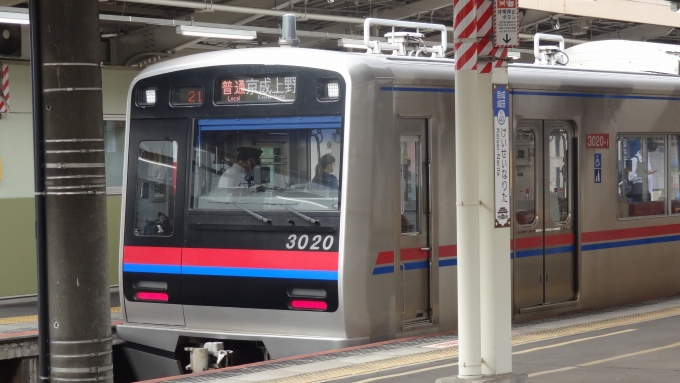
(218, 33)
(14, 18)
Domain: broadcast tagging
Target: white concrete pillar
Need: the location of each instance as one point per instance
(495, 289)
(467, 234)
(467, 189)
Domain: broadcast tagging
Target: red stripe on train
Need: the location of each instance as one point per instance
(261, 259)
(537, 241)
(447, 251)
(559, 239)
(414, 254)
(385, 258)
(152, 255)
(529, 242)
(610, 235)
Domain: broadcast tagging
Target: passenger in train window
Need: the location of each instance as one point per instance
(638, 171)
(240, 174)
(323, 174)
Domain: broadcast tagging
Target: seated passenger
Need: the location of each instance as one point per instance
(240, 174)
(323, 175)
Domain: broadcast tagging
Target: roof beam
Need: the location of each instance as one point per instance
(655, 12)
(418, 7)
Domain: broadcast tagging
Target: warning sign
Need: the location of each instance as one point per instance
(505, 23)
(501, 139)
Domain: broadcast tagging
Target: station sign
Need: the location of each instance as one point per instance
(597, 141)
(505, 23)
(501, 163)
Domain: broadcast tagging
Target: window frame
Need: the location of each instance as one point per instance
(667, 178)
(116, 190)
(530, 128)
(195, 131)
(167, 188)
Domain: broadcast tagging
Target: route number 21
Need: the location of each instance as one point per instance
(302, 242)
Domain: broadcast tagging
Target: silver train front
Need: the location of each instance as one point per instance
(396, 281)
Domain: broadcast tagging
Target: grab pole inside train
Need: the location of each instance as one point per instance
(467, 190)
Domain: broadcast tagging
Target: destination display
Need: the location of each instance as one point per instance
(190, 96)
(270, 89)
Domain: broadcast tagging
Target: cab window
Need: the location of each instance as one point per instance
(156, 188)
(267, 164)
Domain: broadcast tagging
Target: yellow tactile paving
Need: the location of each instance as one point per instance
(431, 356)
(34, 318)
(14, 320)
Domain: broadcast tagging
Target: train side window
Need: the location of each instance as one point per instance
(155, 196)
(641, 175)
(525, 176)
(410, 184)
(674, 173)
(559, 175)
(114, 144)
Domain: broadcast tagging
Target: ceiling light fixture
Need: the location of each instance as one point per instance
(14, 18)
(217, 33)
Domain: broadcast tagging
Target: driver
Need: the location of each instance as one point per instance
(241, 173)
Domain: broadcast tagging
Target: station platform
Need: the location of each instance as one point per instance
(19, 326)
(633, 343)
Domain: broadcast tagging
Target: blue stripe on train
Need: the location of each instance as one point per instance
(383, 270)
(448, 262)
(260, 273)
(414, 266)
(595, 95)
(548, 251)
(409, 89)
(270, 123)
(158, 269)
(632, 242)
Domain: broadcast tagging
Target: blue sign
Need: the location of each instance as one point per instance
(501, 109)
(598, 176)
(598, 161)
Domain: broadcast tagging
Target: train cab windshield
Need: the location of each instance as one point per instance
(270, 164)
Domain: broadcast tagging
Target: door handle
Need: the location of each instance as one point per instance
(425, 249)
(540, 279)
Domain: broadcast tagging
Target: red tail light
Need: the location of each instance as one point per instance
(153, 297)
(304, 304)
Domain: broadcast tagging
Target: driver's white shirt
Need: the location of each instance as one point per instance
(232, 177)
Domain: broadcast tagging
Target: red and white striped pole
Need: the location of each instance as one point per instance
(4, 97)
(467, 189)
(485, 48)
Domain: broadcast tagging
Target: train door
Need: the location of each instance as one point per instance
(544, 249)
(153, 227)
(415, 255)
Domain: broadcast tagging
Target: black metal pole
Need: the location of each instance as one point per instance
(39, 181)
(78, 303)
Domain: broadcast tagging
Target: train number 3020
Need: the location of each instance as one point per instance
(302, 242)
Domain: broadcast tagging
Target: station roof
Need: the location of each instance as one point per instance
(141, 32)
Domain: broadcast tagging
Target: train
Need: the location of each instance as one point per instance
(283, 201)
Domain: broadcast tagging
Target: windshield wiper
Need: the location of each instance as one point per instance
(261, 218)
(306, 218)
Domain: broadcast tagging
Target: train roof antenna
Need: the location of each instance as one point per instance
(288, 33)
